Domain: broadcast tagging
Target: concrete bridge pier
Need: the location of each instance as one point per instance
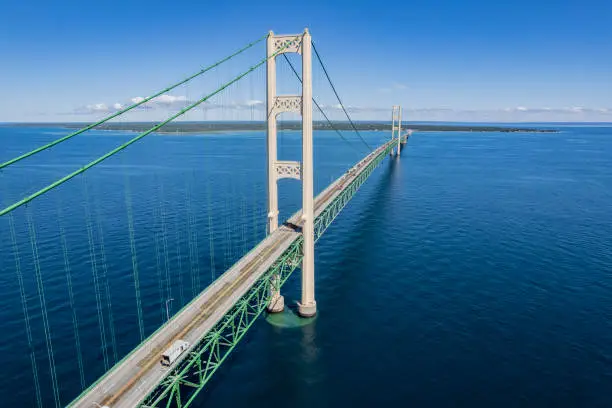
(277, 301)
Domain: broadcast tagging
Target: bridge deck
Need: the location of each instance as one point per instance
(134, 377)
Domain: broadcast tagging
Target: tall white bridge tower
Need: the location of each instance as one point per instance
(396, 125)
(277, 169)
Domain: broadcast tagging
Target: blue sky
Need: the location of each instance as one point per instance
(441, 60)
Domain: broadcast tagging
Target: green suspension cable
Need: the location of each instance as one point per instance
(43, 307)
(129, 108)
(140, 136)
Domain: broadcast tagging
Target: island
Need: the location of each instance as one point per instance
(243, 126)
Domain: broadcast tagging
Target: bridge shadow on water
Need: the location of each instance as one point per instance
(367, 227)
(286, 346)
(354, 235)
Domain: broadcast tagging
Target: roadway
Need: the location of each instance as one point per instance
(134, 377)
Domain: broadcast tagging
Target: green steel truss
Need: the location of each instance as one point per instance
(191, 375)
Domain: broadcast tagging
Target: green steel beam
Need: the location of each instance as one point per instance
(191, 375)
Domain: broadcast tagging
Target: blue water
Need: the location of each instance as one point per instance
(474, 271)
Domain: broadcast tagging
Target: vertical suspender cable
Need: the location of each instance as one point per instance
(196, 247)
(165, 243)
(189, 236)
(43, 306)
(243, 220)
(135, 139)
(107, 292)
(26, 314)
(179, 261)
(94, 271)
(130, 107)
(158, 262)
(254, 216)
(211, 234)
(68, 270)
(135, 272)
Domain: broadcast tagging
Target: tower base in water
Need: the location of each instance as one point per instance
(309, 310)
(277, 304)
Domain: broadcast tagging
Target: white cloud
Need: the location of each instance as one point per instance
(518, 113)
(563, 110)
(168, 100)
(254, 102)
(163, 100)
(429, 110)
(97, 108)
(248, 104)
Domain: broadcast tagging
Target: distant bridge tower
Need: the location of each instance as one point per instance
(396, 125)
(277, 169)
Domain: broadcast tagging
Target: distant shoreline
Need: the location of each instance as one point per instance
(217, 127)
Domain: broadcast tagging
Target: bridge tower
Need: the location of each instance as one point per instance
(396, 125)
(277, 169)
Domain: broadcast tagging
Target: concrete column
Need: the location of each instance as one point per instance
(307, 307)
(399, 129)
(392, 127)
(277, 302)
(271, 136)
(396, 126)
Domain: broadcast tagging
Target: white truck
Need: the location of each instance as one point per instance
(173, 352)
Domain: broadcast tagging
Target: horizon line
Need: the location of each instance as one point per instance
(334, 121)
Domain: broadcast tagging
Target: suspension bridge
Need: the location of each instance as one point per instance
(212, 324)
